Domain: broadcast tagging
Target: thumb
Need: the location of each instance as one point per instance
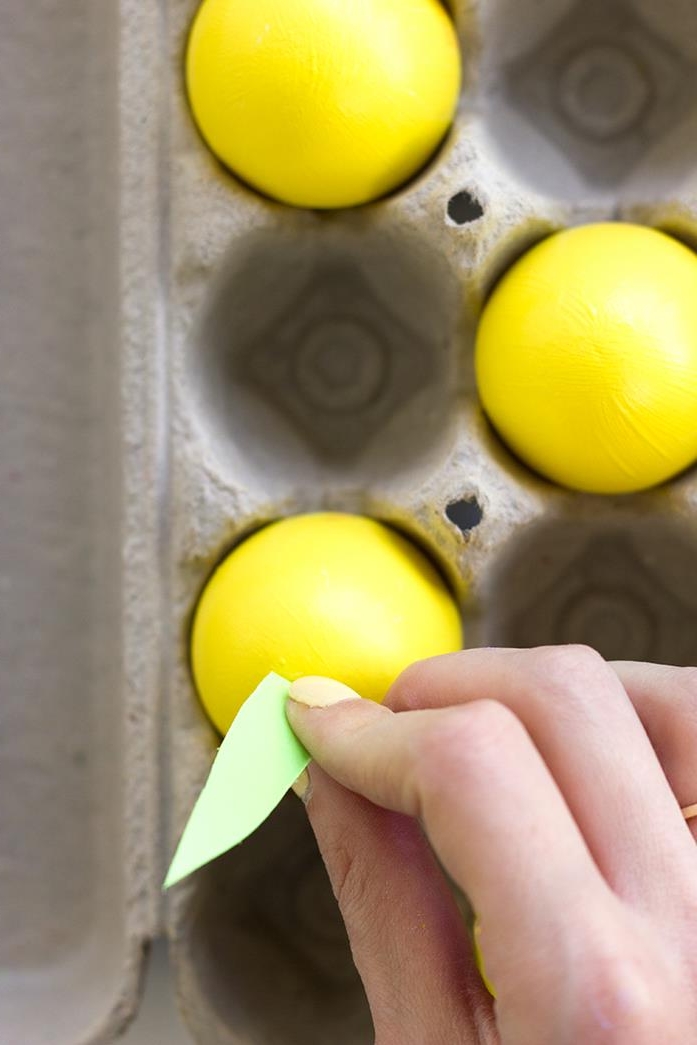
(407, 936)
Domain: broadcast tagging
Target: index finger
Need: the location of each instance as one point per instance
(586, 729)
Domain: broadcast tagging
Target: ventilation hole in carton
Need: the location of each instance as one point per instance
(605, 97)
(463, 208)
(629, 594)
(328, 349)
(465, 514)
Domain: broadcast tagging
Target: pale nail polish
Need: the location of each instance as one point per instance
(303, 787)
(315, 691)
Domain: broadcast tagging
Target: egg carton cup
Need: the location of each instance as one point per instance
(249, 361)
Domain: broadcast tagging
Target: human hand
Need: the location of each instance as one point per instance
(549, 785)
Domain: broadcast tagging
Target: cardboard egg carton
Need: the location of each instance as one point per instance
(222, 361)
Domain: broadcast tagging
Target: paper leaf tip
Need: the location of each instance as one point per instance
(257, 762)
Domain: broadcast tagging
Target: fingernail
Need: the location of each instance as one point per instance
(314, 691)
(303, 787)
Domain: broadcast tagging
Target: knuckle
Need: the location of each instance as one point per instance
(625, 1007)
(466, 734)
(628, 993)
(568, 668)
(407, 691)
(350, 879)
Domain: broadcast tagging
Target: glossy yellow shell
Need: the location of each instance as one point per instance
(586, 358)
(322, 594)
(479, 958)
(323, 103)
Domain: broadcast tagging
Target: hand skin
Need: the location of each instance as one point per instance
(548, 783)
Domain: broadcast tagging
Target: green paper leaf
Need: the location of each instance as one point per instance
(257, 762)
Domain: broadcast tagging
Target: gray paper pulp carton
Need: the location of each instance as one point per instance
(160, 397)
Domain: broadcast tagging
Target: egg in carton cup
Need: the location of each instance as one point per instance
(301, 359)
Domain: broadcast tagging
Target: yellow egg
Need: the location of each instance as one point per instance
(586, 358)
(479, 958)
(323, 103)
(325, 594)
